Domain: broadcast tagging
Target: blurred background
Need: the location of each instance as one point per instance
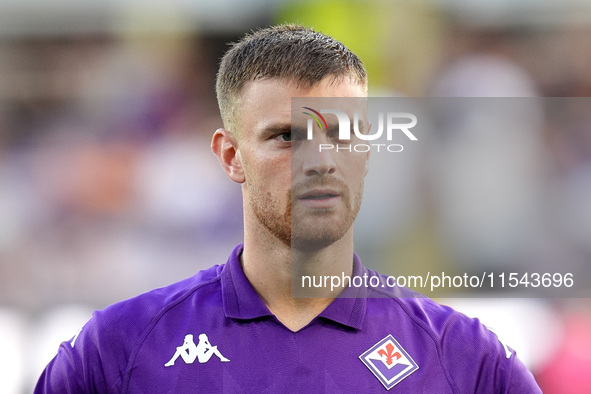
(108, 187)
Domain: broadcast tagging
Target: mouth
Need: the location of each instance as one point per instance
(320, 198)
(318, 195)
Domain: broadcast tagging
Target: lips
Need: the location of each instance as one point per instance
(319, 194)
(319, 199)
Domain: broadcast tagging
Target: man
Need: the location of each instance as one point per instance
(299, 207)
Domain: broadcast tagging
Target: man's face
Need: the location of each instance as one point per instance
(306, 198)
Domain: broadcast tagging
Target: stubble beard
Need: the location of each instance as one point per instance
(305, 233)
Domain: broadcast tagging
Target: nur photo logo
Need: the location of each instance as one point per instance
(392, 123)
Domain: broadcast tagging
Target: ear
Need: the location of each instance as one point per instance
(225, 147)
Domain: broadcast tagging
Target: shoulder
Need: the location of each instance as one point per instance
(436, 319)
(125, 324)
(98, 358)
(427, 314)
(478, 361)
(141, 311)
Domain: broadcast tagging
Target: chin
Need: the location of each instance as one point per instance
(314, 240)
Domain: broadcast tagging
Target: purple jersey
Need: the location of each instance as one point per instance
(212, 333)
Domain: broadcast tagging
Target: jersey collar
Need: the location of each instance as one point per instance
(241, 301)
(349, 308)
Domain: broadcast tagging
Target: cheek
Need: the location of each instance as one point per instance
(272, 177)
(265, 168)
(354, 167)
(276, 172)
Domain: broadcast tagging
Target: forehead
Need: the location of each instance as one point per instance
(268, 102)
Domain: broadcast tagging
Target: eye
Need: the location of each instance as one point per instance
(285, 137)
(335, 136)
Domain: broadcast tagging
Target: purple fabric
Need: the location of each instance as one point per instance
(245, 349)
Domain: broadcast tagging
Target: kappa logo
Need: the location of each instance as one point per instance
(201, 352)
(389, 362)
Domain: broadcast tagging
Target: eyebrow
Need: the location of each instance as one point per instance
(275, 129)
(280, 128)
(362, 126)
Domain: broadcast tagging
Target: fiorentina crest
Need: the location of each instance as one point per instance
(389, 362)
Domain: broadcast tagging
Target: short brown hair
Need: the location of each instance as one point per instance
(290, 52)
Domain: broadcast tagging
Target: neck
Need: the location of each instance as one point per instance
(272, 267)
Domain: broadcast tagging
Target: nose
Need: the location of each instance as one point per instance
(318, 161)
